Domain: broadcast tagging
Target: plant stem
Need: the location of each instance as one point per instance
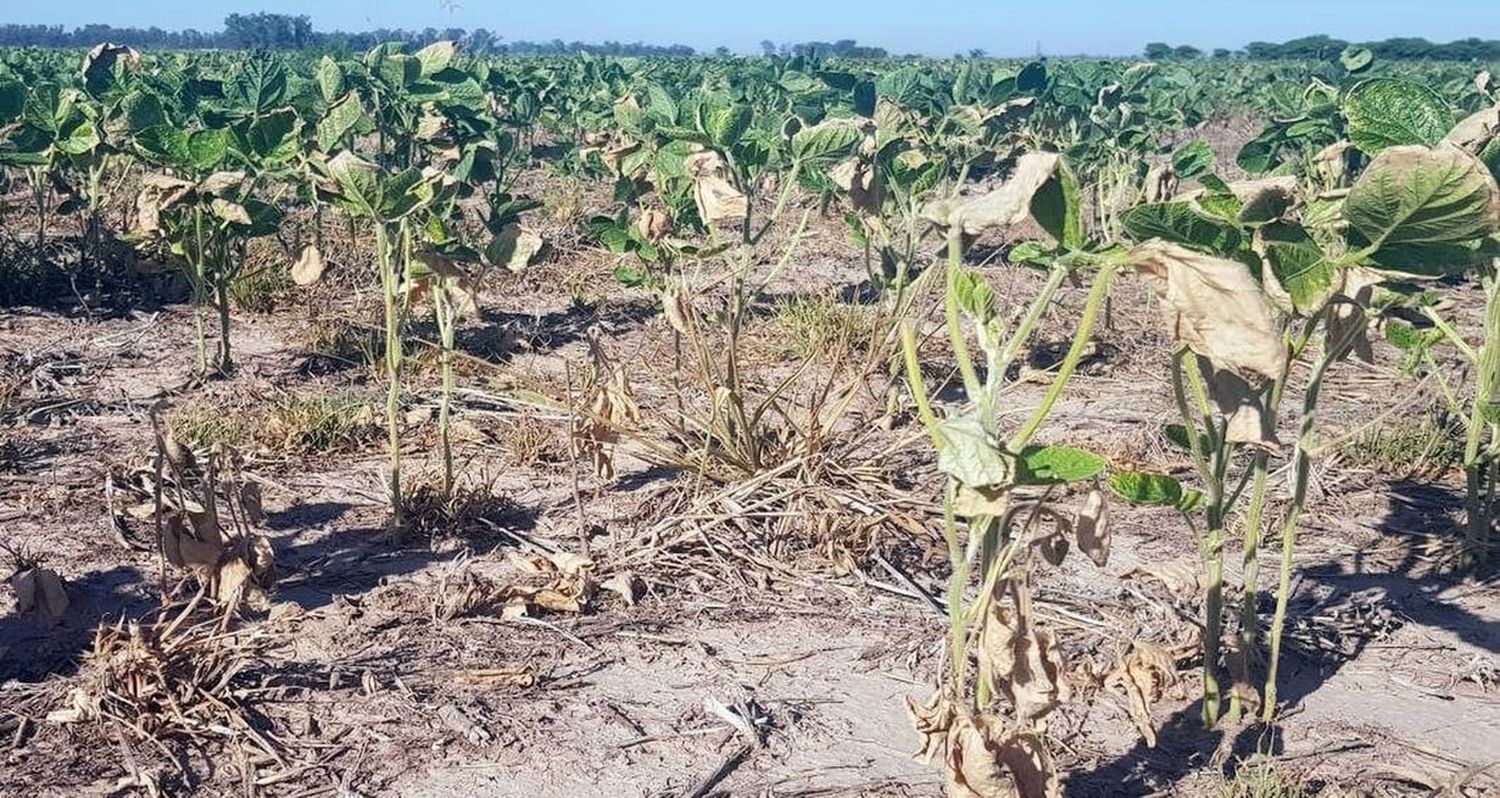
(1070, 361)
(444, 312)
(1477, 465)
(390, 285)
(1302, 472)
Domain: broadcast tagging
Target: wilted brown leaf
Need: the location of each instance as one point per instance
(1091, 527)
(932, 721)
(652, 224)
(1181, 577)
(1347, 323)
(1216, 308)
(1244, 407)
(308, 268)
(716, 197)
(1021, 662)
(42, 591)
(1007, 205)
(986, 760)
(1143, 674)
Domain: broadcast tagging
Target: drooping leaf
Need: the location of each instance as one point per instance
(1193, 159)
(1180, 223)
(344, 118)
(1356, 59)
(308, 268)
(1005, 206)
(436, 57)
(1215, 307)
(1297, 265)
(969, 454)
(330, 78)
(834, 138)
(1414, 204)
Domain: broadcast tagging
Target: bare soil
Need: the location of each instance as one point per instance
(748, 666)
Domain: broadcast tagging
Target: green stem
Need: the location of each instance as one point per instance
(390, 285)
(1302, 472)
(446, 331)
(1070, 361)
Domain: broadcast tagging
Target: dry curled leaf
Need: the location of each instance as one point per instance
(1181, 577)
(1021, 662)
(1160, 184)
(611, 405)
(1144, 674)
(653, 224)
(986, 760)
(856, 176)
(1244, 406)
(1005, 206)
(1348, 323)
(308, 268)
(1091, 527)
(158, 193)
(677, 303)
(42, 591)
(1216, 308)
(932, 721)
(1332, 164)
(716, 197)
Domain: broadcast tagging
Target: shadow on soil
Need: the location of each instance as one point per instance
(352, 561)
(31, 651)
(1417, 513)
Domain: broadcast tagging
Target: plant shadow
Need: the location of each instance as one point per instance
(1417, 513)
(32, 650)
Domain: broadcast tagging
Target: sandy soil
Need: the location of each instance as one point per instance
(769, 676)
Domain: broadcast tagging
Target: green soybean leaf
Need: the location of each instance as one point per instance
(330, 78)
(206, 149)
(725, 126)
(1298, 265)
(436, 57)
(1356, 59)
(1059, 464)
(1418, 208)
(1057, 208)
(1181, 223)
(344, 118)
(1193, 159)
(827, 140)
(1387, 112)
(1145, 489)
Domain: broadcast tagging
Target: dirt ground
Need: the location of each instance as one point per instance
(748, 665)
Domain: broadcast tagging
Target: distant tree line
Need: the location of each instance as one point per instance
(288, 32)
(1325, 48)
(843, 48)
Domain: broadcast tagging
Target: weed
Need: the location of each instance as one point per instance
(816, 325)
(1262, 779)
(202, 426)
(530, 441)
(317, 424)
(261, 290)
(1407, 448)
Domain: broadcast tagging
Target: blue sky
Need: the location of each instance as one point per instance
(1002, 27)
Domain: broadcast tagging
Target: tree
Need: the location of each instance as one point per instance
(1158, 51)
(1186, 52)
